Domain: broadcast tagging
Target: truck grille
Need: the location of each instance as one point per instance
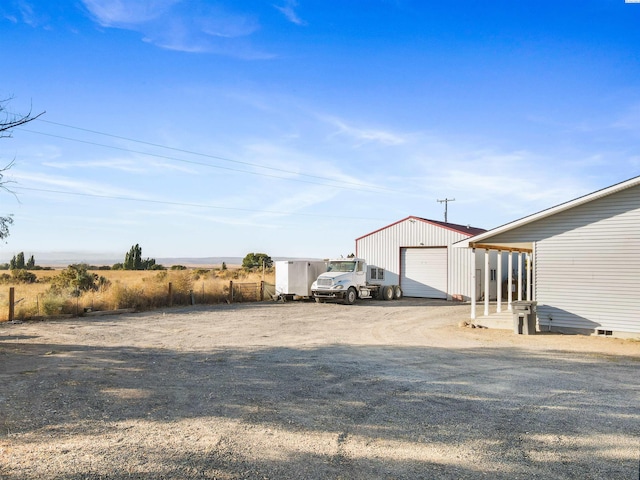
(325, 282)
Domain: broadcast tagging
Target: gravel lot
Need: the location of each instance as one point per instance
(304, 390)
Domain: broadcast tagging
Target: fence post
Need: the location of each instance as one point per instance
(193, 298)
(12, 297)
(230, 291)
(262, 291)
(170, 294)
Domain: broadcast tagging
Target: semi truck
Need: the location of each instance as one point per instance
(348, 279)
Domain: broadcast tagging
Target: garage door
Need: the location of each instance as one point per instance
(424, 272)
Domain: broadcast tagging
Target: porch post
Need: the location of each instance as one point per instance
(487, 282)
(510, 282)
(473, 285)
(520, 275)
(529, 276)
(499, 281)
(533, 273)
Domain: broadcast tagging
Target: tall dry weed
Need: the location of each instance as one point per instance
(141, 290)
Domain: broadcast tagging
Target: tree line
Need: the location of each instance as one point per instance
(18, 263)
(133, 261)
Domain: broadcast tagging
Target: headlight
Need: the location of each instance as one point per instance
(338, 287)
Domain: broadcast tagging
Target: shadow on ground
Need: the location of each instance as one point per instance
(551, 415)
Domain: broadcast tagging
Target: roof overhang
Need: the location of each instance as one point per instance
(510, 247)
(484, 240)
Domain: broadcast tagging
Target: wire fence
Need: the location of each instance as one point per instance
(20, 305)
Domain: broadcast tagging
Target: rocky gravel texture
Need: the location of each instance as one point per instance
(393, 390)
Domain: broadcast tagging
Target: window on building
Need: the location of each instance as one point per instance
(377, 273)
(493, 275)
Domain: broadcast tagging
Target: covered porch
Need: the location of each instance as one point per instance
(516, 262)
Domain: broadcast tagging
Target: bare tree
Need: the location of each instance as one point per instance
(8, 121)
(12, 120)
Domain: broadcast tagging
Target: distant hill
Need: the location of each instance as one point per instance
(63, 259)
(200, 261)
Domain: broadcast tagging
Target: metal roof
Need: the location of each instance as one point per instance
(463, 229)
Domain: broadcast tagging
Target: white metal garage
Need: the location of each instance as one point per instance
(423, 272)
(416, 254)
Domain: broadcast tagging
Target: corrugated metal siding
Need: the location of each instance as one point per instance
(382, 249)
(588, 264)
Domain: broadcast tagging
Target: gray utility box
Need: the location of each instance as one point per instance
(524, 317)
(294, 277)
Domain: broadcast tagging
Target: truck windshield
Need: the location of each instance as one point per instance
(341, 266)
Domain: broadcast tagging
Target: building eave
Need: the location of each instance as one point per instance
(485, 238)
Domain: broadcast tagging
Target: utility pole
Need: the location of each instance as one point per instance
(446, 204)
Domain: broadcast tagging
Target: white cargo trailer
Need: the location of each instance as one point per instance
(294, 277)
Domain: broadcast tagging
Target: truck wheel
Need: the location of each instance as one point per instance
(387, 292)
(350, 296)
(397, 292)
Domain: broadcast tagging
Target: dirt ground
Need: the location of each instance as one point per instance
(297, 390)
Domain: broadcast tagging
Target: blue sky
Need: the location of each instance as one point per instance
(217, 128)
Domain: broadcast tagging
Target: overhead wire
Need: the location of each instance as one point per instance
(166, 157)
(362, 186)
(334, 183)
(186, 204)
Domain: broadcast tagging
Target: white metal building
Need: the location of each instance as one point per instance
(416, 254)
(584, 259)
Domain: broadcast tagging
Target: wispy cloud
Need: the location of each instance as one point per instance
(119, 13)
(196, 26)
(363, 135)
(71, 185)
(128, 165)
(22, 11)
(288, 10)
(305, 167)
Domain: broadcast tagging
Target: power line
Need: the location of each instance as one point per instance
(200, 154)
(185, 204)
(193, 162)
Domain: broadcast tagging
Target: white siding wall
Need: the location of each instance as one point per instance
(588, 264)
(588, 276)
(382, 249)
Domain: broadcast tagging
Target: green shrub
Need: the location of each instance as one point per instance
(53, 304)
(23, 276)
(77, 278)
(18, 276)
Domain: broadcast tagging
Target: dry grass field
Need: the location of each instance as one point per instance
(139, 290)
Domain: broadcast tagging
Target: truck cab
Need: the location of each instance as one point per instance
(346, 280)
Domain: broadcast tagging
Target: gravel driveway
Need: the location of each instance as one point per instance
(302, 390)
